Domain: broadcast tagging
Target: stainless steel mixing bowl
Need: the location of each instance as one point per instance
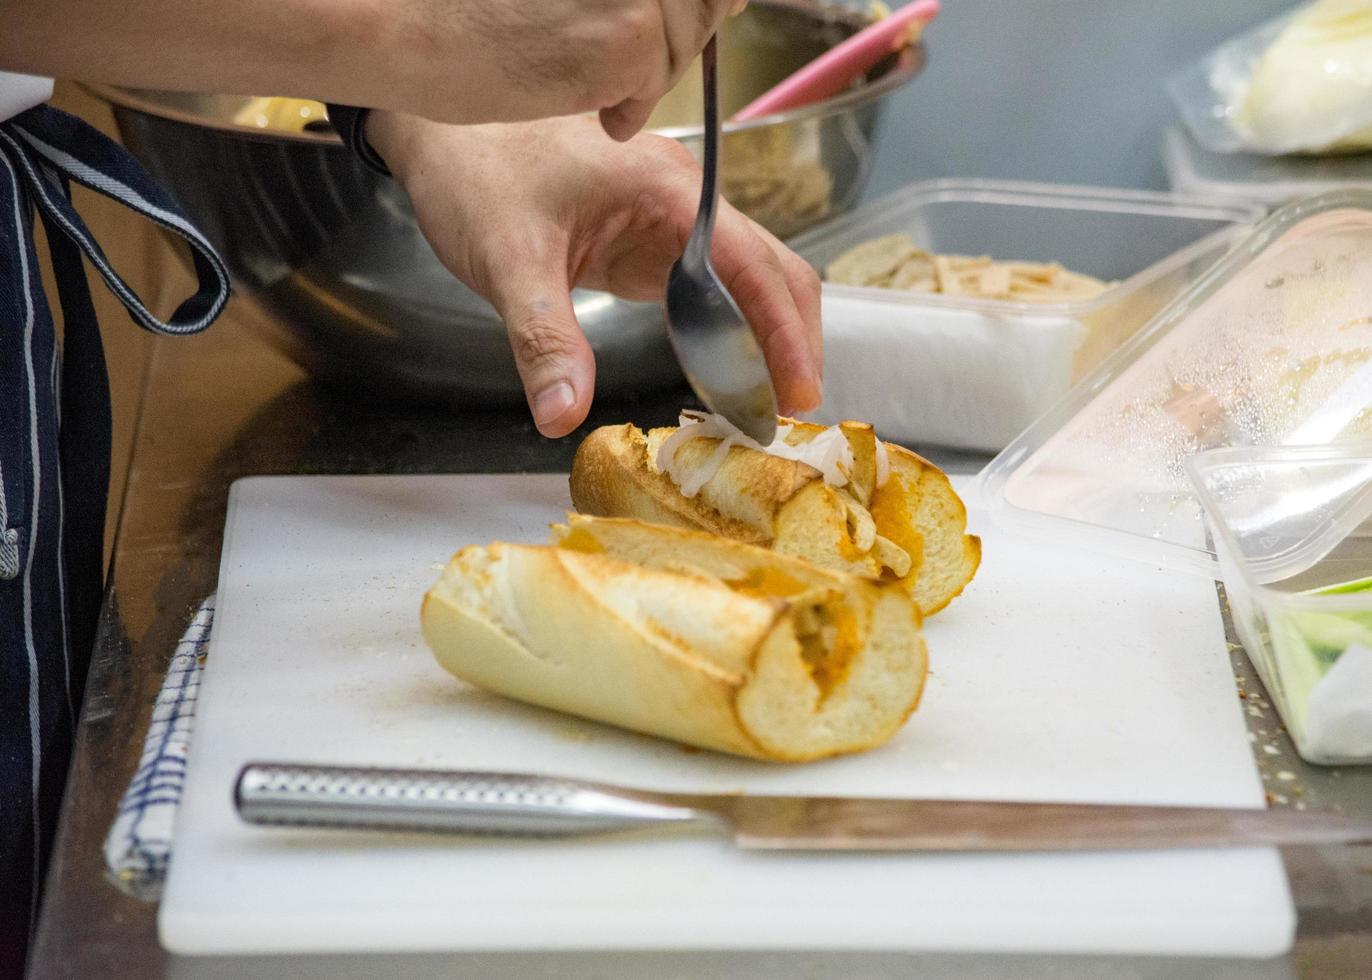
(356, 296)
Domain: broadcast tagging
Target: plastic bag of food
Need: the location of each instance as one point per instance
(1301, 83)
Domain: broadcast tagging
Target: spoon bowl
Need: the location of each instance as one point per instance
(717, 351)
(712, 341)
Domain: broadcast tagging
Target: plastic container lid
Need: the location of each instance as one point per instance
(1192, 169)
(1272, 347)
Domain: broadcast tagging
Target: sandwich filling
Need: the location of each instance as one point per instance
(828, 454)
(829, 641)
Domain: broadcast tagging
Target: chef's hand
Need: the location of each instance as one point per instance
(522, 212)
(461, 61)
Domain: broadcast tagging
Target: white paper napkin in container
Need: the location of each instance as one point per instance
(924, 374)
(1339, 711)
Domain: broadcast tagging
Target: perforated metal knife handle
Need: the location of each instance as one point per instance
(452, 802)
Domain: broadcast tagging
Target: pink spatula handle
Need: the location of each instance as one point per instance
(834, 70)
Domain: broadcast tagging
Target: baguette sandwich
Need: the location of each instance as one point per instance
(684, 635)
(837, 497)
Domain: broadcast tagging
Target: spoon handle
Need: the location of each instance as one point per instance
(699, 245)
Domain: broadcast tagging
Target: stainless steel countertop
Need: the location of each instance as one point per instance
(222, 406)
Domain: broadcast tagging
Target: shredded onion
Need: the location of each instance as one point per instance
(827, 453)
(883, 464)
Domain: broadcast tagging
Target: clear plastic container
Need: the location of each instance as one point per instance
(1292, 529)
(1245, 177)
(1272, 347)
(972, 373)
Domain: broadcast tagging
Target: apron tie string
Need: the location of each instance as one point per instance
(50, 147)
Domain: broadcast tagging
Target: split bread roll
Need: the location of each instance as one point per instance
(684, 635)
(881, 511)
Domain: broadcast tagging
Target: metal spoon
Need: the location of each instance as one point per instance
(713, 342)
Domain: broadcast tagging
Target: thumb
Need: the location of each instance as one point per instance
(553, 357)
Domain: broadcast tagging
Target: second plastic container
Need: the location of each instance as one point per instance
(1292, 529)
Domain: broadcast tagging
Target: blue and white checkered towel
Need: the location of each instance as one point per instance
(139, 843)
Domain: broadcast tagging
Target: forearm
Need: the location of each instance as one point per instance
(458, 61)
(356, 51)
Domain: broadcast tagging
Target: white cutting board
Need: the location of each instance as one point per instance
(1057, 676)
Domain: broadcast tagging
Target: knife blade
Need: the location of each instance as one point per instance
(529, 805)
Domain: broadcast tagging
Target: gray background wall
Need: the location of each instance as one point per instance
(1066, 91)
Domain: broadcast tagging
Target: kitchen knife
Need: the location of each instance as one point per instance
(522, 805)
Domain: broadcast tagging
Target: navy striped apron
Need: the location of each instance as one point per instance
(54, 466)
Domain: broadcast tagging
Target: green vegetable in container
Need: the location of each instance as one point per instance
(1307, 644)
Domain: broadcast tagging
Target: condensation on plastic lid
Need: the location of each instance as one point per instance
(1272, 347)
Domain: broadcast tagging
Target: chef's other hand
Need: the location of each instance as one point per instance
(523, 212)
(649, 73)
(539, 58)
(460, 61)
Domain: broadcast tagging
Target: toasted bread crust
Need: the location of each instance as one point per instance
(683, 634)
(951, 557)
(611, 478)
(614, 475)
